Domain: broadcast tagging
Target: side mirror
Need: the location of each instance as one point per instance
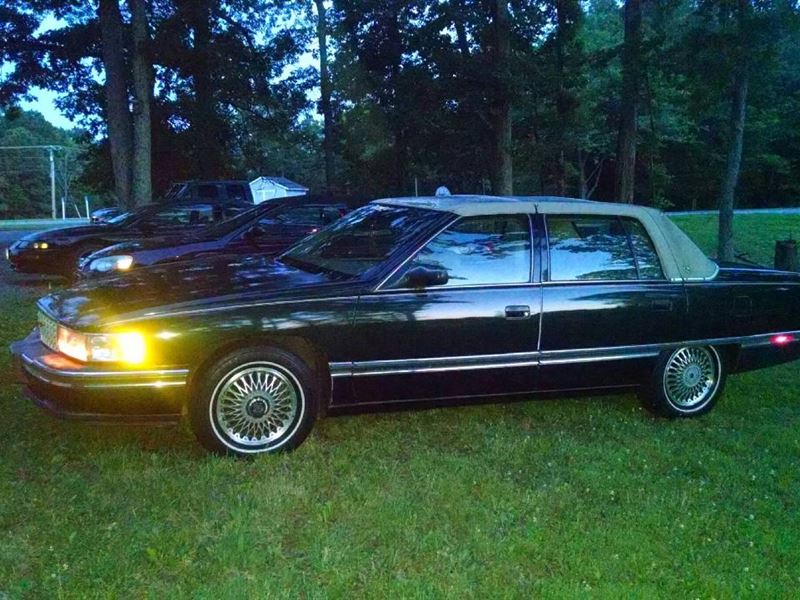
(422, 277)
(252, 234)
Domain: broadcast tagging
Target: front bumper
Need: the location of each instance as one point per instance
(75, 390)
(29, 260)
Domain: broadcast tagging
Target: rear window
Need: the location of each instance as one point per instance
(587, 248)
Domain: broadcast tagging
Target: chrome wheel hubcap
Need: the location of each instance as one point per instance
(690, 377)
(256, 405)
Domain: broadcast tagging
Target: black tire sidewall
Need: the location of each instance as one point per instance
(201, 403)
(655, 399)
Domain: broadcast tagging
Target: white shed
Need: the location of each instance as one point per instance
(269, 188)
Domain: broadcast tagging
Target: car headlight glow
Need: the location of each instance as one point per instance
(106, 264)
(41, 245)
(126, 347)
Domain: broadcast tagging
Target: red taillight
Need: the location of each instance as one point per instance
(781, 339)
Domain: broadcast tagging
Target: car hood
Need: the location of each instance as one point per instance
(203, 283)
(66, 235)
(155, 243)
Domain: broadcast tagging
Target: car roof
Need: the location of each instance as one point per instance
(680, 257)
(473, 205)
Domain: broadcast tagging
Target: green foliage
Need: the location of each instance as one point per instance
(413, 86)
(25, 173)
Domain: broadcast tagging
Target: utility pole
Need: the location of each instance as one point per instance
(52, 181)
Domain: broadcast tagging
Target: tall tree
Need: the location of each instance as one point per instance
(739, 87)
(118, 117)
(142, 78)
(325, 93)
(631, 77)
(502, 174)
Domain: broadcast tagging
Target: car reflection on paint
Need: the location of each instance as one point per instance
(413, 300)
(267, 229)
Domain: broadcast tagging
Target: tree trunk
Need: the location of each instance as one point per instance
(631, 74)
(457, 9)
(731, 177)
(325, 94)
(567, 16)
(118, 117)
(209, 137)
(142, 70)
(500, 111)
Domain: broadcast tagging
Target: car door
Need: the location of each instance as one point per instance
(606, 304)
(476, 335)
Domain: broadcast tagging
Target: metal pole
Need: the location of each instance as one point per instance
(53, 182)
(63, 208)
(86, 201)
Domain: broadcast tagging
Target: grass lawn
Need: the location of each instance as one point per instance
(544, 498)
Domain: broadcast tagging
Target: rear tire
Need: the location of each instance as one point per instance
(686, 382)
(256, 400)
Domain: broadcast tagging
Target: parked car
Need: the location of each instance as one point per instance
(210, 191)
(104, 215)
(414, 300)
(266, 229)
(58, 251)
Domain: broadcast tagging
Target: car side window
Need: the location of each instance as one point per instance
(480, 251)
(301, 215)
(644, 251)
(207, 191)
(181, 216)
(586, 248)
(235, 192)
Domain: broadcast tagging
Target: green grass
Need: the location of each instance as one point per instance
(544, 498)
(39, 224)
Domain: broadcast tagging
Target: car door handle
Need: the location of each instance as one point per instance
(662, 305)
(518, 311)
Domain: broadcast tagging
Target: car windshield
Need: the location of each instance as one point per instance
(360, 240)
(128, 217)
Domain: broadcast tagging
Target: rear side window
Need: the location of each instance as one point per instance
(586, 248)
(299, 215)
(643, 251)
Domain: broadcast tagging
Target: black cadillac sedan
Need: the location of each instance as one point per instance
(267, 229)
(408, 301)
(58, 251)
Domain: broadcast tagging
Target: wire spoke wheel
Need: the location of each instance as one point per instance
(256, 405)
(691, 377)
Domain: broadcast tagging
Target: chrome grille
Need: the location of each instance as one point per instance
(48, 331)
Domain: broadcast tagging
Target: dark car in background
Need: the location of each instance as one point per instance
(266, 229)
(414, 300)
(230, 190)
(58, 251)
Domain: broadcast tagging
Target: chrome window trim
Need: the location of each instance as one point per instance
(536, 358)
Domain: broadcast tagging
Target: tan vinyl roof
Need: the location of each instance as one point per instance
(680, 257)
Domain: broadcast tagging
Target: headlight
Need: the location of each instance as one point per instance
(41, 245)
(106, 264)
(126, 347)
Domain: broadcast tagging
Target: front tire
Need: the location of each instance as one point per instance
(255, 401)
(685, 382)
